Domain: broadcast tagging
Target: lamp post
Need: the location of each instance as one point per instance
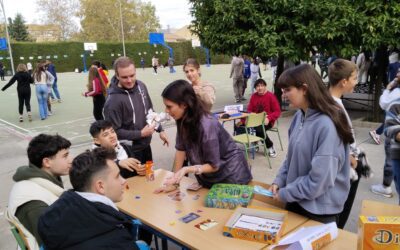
(122, 27)
(8, 38)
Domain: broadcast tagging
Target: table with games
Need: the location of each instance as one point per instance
(185, 220)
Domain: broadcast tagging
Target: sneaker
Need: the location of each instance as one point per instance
(30, 117)
(59, 101)
(237, 100)
(243, 99)
(375, 137)
(21, 119)
(49, 113)
(272, 152)
(382, 190)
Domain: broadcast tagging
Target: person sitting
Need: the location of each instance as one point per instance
(211, 151)
(39, 184)
(104, 136)
(86, 217)
(263, 101)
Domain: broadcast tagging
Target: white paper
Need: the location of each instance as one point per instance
(259, 224)
(303, 237)
(233, 108)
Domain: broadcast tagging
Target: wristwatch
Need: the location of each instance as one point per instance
(198, 170)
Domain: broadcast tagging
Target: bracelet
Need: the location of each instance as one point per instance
(198, 170)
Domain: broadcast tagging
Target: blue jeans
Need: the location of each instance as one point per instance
(55, 89)
(396, 173)
(42, 94)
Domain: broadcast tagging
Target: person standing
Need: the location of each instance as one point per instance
(2, 71)
(41, 79)
(363, 64)
(52, 69)
(154, 64)
(237, 67)
(23, 79)
(171, 65)
(255, 73)
(314, 178)
(29, 67)
(97, 90)
(246, 73)
(142, 62)
(204, 90)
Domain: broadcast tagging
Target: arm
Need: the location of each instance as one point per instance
(389, 95)
(259, 72)
(11, 82)
(94, 91)
(179, 159)
(392, 122)
(28, 214)
(50, 78)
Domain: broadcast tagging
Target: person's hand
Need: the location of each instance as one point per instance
(353, 162)
(397, 138)
(133, 164)
(179, 175)
(392, 84)
(273, 188)
(147, 131)
(164, 138)
(83, 94)
(266, 122)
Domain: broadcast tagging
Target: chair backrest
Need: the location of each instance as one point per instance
(255, 120)
(19, 236)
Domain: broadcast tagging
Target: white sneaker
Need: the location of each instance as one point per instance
(49, 113)
(382, 190)
(272, 152)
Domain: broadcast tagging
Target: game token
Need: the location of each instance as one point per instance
(137, 197)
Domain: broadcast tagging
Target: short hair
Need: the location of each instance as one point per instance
(258, 82)
(122, 62)
(22, 68)
(340, 69)
(43, 146)
(98, 126)
(86, 165)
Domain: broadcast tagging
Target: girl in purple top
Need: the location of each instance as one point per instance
(213, 155)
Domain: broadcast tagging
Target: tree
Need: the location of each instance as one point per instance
(60, 13)
(17, 28)
(289, 29)
(100, 20)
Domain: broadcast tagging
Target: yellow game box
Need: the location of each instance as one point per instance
(379, 232)
(256, 224)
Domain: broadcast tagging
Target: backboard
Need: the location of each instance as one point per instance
(90, 47)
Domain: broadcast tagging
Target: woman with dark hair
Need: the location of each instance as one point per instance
(42, 80)
(314, 179)
(24, 79)
(213, 155)
(96, 89)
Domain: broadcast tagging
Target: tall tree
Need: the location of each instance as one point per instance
(17, 28)
(101, 20)
(60, 13)
(290, 28)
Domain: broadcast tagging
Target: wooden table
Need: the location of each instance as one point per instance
(161, 213)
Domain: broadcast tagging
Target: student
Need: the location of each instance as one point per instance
(314, 178)
(39, 184)
(263, 101)
(86, 217)
(104, 136)
(43, 81)
(213, 155)
(342, 76)
(204, 90)
(96, 88)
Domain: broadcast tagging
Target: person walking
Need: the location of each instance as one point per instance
(97, 89)
(237, 68)
(52, 69)
(23, 79)
(41, 79)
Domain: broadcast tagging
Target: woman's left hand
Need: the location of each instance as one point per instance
(179, 175)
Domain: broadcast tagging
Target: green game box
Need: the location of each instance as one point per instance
(229, 196)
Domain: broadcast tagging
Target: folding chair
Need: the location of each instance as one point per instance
(248, 140)
(276, 129)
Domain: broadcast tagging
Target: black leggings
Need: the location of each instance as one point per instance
(98, 105)
(24, 97)
(323, 218)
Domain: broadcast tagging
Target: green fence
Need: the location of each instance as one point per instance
(68, 56)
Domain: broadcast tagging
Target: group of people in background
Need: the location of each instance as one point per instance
(44, 78)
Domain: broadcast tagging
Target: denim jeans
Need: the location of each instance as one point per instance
(41, 94)
(396, 174)
(55, 89)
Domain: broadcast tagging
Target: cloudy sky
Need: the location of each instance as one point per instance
(174, 13)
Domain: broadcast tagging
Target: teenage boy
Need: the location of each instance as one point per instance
(86, 217)
(104, 136)
(39, 184)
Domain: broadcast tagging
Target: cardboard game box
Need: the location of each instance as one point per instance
(379, 226)
(229, 196)
(256, 224)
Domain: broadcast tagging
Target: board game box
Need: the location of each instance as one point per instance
(229, 196)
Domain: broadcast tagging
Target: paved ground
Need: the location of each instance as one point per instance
(72, 117)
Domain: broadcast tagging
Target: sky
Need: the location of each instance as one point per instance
(174, 13)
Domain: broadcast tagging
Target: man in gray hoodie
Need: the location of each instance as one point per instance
(126, 108)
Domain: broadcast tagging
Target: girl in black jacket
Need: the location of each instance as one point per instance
(24, 79)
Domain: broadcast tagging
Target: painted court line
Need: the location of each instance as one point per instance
(63, 123)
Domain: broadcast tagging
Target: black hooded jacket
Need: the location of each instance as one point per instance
(73, 222)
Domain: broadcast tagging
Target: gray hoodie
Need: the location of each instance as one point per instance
(315, 173)
(127, 109)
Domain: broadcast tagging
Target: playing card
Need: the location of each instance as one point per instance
(207, 224)
(190, 217)
(194, 186)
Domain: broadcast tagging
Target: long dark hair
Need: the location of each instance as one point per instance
(318, 97)
(181, 92)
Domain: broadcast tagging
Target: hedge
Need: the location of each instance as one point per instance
(69, 55)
